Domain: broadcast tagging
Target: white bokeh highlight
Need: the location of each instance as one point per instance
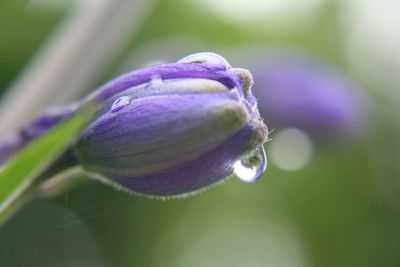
(236, 242)
(251, 11)
(291, 149)
(371, 39)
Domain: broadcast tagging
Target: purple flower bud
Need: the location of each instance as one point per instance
(166, 130)
(300, 92)
(174, 128)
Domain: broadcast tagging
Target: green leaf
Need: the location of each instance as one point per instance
(23, 170)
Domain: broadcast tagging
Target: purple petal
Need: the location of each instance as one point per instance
(156, 133)
(165, 72)
(197, 174)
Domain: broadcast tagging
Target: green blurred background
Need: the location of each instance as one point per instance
(341, 208)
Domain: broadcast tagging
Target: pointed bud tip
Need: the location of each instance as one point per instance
(245, 78)
(260, 131)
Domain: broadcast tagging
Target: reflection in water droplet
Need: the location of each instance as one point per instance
(120, 103)
(251, 166)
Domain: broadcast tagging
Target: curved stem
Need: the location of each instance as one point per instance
(6, 212)
(72, 59)
(62, 182)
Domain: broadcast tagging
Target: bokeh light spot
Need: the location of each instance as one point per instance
(291, 149)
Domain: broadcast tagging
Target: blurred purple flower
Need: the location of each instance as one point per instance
(45, 121)
(301, 92)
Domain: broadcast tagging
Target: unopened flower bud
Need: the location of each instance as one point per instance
(167, 130)
(174, 128)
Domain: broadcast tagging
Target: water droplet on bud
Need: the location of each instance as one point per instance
(156, 81)
(251, 166)
(120, 103)
(206, 58)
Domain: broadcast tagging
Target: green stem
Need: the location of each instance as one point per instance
(7, 211)
(62, 182)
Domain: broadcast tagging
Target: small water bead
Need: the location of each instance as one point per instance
(206, 58)
(156, 81)
(120, 103)
(251, 166)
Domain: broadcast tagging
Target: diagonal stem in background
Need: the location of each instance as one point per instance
(74, 57)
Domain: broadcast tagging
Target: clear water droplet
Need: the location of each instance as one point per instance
(156, 81)
(251, 166)
(120, 103)
(206, 58)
